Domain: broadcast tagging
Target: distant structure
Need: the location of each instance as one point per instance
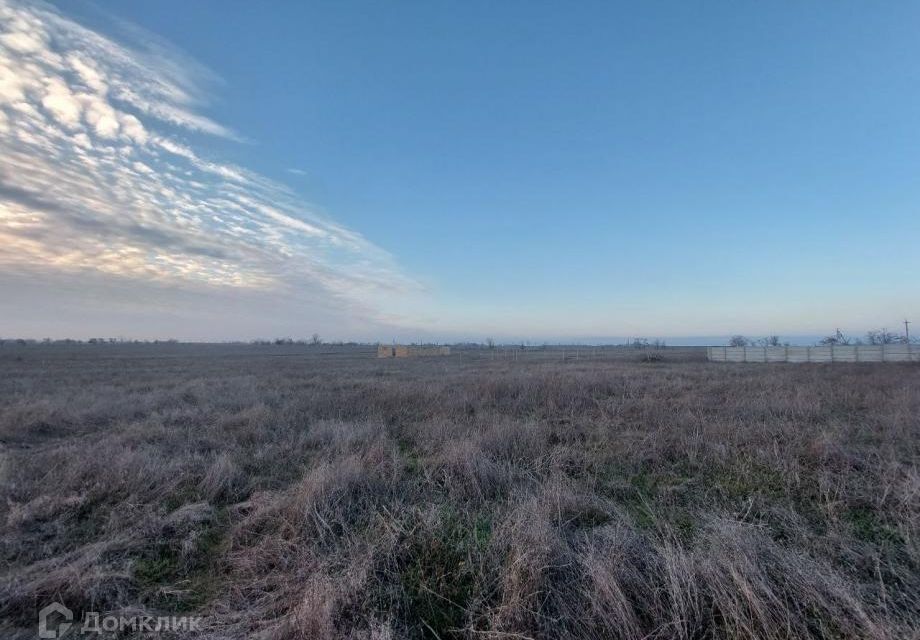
(824, 353)
(405, 351)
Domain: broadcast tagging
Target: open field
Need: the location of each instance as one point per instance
(298, 492)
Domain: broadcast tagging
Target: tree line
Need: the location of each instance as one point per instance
(872, 337)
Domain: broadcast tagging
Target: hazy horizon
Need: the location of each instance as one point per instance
(558, 341)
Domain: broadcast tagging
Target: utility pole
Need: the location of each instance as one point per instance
(906, 331)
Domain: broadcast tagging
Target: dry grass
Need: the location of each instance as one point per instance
(287, 495)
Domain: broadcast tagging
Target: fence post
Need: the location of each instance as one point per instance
(786, 356)
(765, 354)
(832, 353)
(744, 353)
(883, 353)
(808, 354)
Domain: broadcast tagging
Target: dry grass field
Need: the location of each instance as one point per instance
(297, 492)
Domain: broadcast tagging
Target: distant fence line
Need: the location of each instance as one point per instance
(829, 353)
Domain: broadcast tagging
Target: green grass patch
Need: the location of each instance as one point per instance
(441, 573)
(747, 479)
(171, 581)
(868, 527)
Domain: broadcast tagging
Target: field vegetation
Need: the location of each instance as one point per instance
(310, 492)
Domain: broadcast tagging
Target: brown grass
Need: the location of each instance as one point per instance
(286, 493)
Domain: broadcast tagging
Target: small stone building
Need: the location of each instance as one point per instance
(405, 351)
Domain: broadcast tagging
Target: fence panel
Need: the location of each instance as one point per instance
(836, 353)
(846, 353)
(776, 354)
(898, 353)
(870, 353)
(734, 354)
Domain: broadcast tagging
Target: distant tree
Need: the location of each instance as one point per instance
(738, 341)
(658, 343)
(882, 336)
(769, 341)
(315, 339)
(490, 343)
(640, 343)
(837, 339)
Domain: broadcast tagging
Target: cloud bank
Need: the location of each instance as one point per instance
(100, 186)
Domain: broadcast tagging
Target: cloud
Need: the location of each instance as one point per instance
(297, 172)
(97, 177)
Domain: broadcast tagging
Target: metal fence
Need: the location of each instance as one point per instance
(830, 353)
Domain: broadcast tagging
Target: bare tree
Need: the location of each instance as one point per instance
(882, 336)
(640, 343)
(769, 341)
(738, 341)
(315, 339)
(490, 343)
(839, 338)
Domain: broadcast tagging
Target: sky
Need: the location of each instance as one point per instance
(451, 171)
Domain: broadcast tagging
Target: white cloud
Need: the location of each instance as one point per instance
(94, 178)
(23, 41)
(61, 102)
(11, 85)
(132, 128)
(152, 79)
(88, 73)
(101, 116)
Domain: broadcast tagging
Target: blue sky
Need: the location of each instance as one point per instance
(517, 169)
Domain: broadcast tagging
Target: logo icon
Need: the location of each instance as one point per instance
(54, 621)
